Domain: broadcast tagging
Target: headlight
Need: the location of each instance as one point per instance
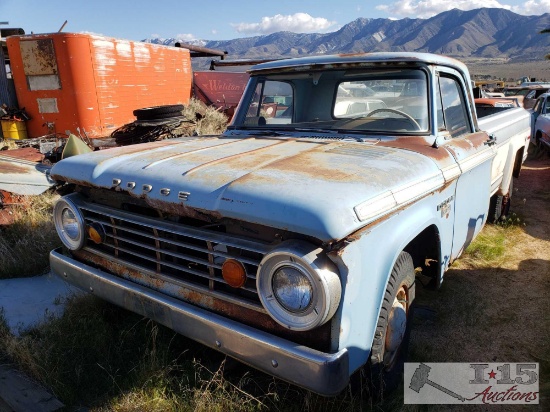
(69, 223)
(298, 285)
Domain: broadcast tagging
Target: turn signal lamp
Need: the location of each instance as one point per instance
(234, 273)
(96, 233)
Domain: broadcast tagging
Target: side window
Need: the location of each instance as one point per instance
(452, 107)
(271, 100)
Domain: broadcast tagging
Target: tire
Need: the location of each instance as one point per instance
(499, 205)
(159, 112)
(385, 366)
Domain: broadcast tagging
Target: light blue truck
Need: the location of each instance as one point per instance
(291, 241)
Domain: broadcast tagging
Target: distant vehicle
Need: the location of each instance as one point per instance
(529, 93)
(497, 102)
(351, 108)
(540, 134)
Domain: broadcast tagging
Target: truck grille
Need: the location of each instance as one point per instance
(181, 255)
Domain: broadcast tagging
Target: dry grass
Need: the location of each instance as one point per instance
(212, 121)
(25, 244)
(8, 144)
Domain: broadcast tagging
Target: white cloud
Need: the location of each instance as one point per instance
(186, 37)
(533, 7)
(297, 23)
(429, 8)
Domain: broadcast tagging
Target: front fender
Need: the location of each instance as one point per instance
(365, 263)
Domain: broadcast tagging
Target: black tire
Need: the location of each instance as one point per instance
(386, 363)
(499, 206)
(159, 112)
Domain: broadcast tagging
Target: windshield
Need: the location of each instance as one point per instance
(388, 101)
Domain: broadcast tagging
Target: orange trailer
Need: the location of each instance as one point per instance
(67, 81)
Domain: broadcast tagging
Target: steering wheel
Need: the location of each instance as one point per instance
(399, 112)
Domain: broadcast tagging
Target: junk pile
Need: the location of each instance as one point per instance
(13, 122)
(155, 123)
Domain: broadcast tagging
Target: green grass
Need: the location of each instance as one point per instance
(489, 248)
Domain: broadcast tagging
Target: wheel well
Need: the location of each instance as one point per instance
(425, 250)
(518, 162)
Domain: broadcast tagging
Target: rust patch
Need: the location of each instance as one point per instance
(478, 139)
(462, 144)
(183, 210)
(420, 145)
(10, 168)
(38, 57)
(28, 153)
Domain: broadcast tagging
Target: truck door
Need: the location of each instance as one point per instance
(539, 109)
(473, 153)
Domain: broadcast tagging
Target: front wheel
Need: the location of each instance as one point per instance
(392, 330)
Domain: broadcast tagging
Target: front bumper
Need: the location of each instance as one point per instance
(323, 373)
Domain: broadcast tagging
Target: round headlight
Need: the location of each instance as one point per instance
(69, 223)
(298, 285)
(292, 289)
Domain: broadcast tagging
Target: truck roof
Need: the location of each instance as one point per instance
(359, 60)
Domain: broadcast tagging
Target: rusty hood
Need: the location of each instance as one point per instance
(318, 187)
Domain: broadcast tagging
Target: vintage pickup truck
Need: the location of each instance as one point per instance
(291, 241)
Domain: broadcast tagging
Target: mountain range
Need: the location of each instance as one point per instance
(479, 33)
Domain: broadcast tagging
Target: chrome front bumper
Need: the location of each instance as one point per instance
(323, 373)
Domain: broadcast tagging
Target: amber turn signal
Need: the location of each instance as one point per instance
(96, 233)
(234, 273)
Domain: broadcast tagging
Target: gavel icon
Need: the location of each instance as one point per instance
(420, 378)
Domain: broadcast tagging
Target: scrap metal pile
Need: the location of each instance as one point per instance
(155, 123)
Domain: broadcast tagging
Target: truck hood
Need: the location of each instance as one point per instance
(322, 188)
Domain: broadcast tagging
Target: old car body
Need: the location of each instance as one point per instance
(540, 134)
(277, 241)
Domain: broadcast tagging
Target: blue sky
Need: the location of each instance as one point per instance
(227, 19)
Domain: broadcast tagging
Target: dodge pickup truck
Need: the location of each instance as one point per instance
(291, 242)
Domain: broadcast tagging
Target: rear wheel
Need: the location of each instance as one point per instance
(499, 205)
(392, 330)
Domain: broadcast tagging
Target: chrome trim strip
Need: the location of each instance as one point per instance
(323, 373)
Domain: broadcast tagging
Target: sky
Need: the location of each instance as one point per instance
(225, 19)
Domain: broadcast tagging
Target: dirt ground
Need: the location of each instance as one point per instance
(484, 313)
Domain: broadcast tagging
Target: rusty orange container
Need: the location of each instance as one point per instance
(67, 81)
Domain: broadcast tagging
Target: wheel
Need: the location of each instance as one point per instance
(159, 112)
(392, 330)
(499, 205)
(399, 112)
